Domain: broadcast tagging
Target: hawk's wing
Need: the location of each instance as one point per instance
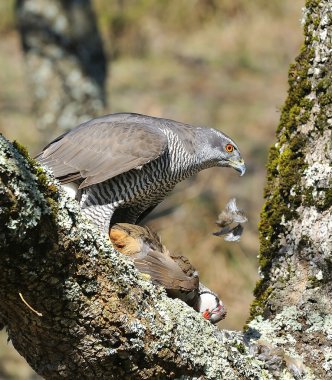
(103, 148)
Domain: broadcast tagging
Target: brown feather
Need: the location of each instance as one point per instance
(166, 272)
(125, 243)
(151, 257)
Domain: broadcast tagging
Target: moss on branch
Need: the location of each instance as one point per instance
(284, 192)
(90, 313)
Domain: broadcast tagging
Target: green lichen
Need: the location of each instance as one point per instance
(257, 306)
(327, 202)
(286, 163)
(314, 281)
(241, 348)
(24, 152)
(324, 97)
(46, 187)
(283, 196)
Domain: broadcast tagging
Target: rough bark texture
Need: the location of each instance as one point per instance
(296, 223)
(66, 65)
(101, 319)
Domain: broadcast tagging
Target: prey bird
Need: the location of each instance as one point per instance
(174, 273)
(120, 166)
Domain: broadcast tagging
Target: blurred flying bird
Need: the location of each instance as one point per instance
(120, 166)
(226, 220)
(174, 273)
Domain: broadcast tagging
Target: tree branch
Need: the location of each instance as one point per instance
(100, 318)
(74, 307)
(294, 293)
(65, 62)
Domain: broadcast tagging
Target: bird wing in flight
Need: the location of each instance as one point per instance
(102, 148)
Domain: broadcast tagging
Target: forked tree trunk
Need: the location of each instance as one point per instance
(295, 292)
(75, 308)
(65, 62)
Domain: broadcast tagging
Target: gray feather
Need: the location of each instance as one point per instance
(103, 148)
(125, 164)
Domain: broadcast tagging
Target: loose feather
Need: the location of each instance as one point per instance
(226, 220)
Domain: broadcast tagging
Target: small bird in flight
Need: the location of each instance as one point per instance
(121, 166)
(174, 273)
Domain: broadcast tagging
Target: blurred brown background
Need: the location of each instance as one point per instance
(216, 63)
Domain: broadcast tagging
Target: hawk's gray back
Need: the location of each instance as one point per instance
(125, 164)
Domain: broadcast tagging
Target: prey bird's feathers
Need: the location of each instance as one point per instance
(174, 273)
(234, 234)
(231, 214)
(166, 272)
(151, 257)
(226, 220)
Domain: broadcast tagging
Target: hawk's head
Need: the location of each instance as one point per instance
(221, 150)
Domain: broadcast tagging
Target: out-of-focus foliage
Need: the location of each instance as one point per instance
(7, 21)
(220, 63)
(131, 24)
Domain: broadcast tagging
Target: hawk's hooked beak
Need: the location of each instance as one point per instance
(239, 166)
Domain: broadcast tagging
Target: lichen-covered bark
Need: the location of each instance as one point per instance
(65, 62)
(294, 293)
(75, 308)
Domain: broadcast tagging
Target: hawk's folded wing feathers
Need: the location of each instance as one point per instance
(103, 148)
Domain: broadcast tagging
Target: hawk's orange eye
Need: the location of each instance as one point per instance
(229, 148)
